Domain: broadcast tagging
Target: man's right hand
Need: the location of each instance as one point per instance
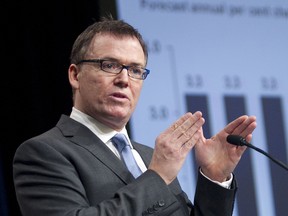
(173, 145)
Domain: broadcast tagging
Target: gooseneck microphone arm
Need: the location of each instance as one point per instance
(240, 141)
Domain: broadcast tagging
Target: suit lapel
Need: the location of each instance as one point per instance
(82, 136)
(144, 151)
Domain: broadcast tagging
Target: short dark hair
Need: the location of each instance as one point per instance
(118, 28)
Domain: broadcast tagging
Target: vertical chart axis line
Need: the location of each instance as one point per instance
(175, 78)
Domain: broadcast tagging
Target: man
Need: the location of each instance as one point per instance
(76, 169)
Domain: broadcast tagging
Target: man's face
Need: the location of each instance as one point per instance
(110, 98)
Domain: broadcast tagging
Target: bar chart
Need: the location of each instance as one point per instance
(224, 59)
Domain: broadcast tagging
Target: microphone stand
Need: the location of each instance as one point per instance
(266, 154)
(240, 141)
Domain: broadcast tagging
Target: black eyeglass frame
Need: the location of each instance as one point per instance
(143, 77)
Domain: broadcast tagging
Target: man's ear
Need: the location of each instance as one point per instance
(73, 74)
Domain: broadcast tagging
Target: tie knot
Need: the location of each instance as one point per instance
(120, 141)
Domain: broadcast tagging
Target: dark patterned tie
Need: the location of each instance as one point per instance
(124, 149)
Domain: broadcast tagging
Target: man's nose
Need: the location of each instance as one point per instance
(124, 74)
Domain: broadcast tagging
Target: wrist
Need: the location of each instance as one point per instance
(226, 184)
(216, 176)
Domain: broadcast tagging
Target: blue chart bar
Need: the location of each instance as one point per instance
(246, 195)
(199, 103)
(275, 136)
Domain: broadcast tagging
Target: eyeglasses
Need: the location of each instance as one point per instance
(114, 67)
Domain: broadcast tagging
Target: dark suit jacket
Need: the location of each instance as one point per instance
(69, 171)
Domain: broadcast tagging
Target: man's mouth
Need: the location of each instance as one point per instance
(119, 95)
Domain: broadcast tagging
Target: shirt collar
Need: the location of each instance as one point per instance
(102, 131)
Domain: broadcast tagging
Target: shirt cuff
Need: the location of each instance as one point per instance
(225, 184)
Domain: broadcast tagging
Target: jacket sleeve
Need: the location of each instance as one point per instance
(212, 199)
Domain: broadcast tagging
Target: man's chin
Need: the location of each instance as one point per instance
(120, 114)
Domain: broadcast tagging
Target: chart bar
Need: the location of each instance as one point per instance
(246, 196)
(276, 145)
(199, 103)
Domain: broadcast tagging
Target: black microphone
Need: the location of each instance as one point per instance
(240, 141)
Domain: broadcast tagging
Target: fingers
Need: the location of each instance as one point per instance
(243, 126)
(184, 129)
(191, 136)
(180, 123)
(192, 141)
